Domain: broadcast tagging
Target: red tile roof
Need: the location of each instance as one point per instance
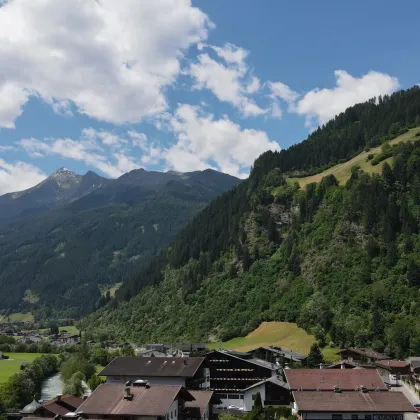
(202, 400)
(108, 400)
(377, 401)
(327, 379)
(393, 363)
(63, 405)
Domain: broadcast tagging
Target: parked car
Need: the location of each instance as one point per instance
(417, 407)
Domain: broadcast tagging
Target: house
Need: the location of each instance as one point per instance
(60, 405)
(151, 353)
(362, 355)
(274, 392)
(330, 379)
(279, 354)
(393, 367)
(187, 372)
(186, 350)
(343, 364)
(232, 372)
(201, 407)
(139, 400)
(351, 405)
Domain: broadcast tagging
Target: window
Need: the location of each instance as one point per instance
(172, 414)
(354, 417)
(337, 417)
(368, 417)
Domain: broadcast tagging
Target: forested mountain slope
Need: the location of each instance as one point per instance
(342, 261)
(58, 262)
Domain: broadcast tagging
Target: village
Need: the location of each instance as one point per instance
(191, 382)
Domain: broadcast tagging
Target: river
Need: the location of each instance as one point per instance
(51, 387)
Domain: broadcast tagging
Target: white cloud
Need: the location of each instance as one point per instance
(205, 142)
(279, 90)
(322, 105)
(18, 176)
(110, 59)
(229, 81)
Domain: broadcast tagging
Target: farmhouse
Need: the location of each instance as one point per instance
(232, 372)
(188, 372)
(394, 367)
(362, 355)
(351, 405)
(60, 405)
(280, 355)
(137, 400)
(330, 379)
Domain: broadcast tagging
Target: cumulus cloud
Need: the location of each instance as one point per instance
(18, 176)
(321, 105)
(204, 142)
(97, 149)
(229, 80)
(280, 92)
(110, 59)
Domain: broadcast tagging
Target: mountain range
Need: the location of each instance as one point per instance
(340, 257)
(69, 239)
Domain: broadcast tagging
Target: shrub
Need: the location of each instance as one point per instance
(370, 156)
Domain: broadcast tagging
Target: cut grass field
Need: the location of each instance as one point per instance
(71, 329)
(342, 171)
(283, 334)
(17, 317)
(12, 365)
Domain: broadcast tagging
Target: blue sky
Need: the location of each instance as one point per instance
(174, 84)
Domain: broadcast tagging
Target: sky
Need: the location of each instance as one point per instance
(112, 86)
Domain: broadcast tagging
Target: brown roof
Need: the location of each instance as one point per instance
(184, 367)
(354, 401)
(365, 353)
(202, 400)
(327, 379)
(65, 404)
(393, 363)
(108, 399)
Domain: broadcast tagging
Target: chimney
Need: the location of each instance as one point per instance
(127, 394)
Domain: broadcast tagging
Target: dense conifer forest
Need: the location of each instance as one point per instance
(341, 261)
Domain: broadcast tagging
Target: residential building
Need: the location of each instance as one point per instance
(189, 372)
(231, 373)
(191, 349)
(139, 400)
(393, 367)
(280, 355)
(60, 405)
(351, 405)
(330, 379)
(362, 355)
(201, 407)
(274, 392)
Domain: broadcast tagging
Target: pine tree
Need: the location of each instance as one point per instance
(246, 259)
(315, 357)
(258, 402)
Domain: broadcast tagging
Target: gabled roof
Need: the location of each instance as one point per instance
(247, 357)
(108, 400)
(327, 379)
(31, 407)
(201, 402)
(398, 364)
(62, 405)
(274, 380)
(352, 401)
(287, 353)
(184, 367)
(364, 352)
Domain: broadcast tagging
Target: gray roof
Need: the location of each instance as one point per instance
(184, 367)
(287, 353)
(274, 380)
(31, 407)
(247, 357)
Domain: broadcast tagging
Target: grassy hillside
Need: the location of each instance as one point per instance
(282, 334)
(12, 365)
(342, 171)
(17, 317)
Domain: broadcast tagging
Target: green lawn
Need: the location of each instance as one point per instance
(69, 328)
(12, 365)
(18, 317)
(342, 171)
(283, 334)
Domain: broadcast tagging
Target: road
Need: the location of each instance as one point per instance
(411, 396)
